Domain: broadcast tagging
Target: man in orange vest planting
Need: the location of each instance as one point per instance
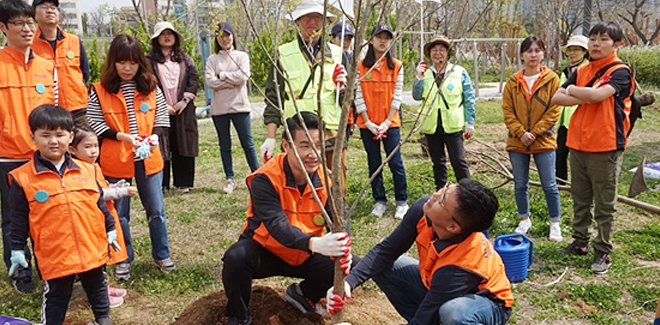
(283, 234)
(66, 51)
(458, 279)
(26, 81)
(597, 136)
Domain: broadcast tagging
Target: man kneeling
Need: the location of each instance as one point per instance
(458, 279)
(283, 234)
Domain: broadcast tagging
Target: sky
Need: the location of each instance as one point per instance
(90, 6)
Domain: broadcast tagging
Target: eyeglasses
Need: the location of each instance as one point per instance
(442, 202)
(51, 8)
(22, 23)
(575, 49)
(440, 49)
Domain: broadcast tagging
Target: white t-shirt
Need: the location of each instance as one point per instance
(530, 80)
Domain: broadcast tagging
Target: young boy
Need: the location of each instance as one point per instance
(26, 81)
(597, 136)
(58, 203)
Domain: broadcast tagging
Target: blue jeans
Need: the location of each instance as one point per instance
(396, 164)
(545, 163)
(151, 195)
(403, 286)
(243, 127)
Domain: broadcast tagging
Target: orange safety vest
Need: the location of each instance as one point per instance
(23, 87)
(474, 254)
(378, 91)
(66, 57)
(116, 257)
(116, 157)
(601, 126)
(66, 225)
(302, 210)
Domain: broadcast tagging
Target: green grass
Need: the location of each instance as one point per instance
(205, 222)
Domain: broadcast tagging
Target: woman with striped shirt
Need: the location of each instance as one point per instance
(126, 108)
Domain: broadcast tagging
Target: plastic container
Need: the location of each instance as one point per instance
(517, 253)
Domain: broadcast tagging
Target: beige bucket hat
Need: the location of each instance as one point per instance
(435, 40)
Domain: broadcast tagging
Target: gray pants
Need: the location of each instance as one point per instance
(594, 177)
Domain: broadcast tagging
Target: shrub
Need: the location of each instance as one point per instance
(645, 63)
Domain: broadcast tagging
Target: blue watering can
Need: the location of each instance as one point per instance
(6, 320)
(517, 252)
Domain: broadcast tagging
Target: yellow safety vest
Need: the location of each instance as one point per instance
(453, 117)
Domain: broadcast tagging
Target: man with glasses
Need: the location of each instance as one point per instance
(66, 51)
(26, 81)
(458, 279)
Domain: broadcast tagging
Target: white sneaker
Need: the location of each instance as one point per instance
(524, 226)
(230, 186)
(400, 211)
(379, 209)
(555, 232)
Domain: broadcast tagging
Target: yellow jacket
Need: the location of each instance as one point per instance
(525, 112)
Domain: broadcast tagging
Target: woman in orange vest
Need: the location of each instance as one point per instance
(377, 103)
(126, 108)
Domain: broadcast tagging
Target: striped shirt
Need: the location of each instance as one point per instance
(127, 88)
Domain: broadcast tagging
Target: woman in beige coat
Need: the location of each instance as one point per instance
(530, 119)
(227, 73)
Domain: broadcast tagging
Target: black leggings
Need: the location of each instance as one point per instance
(57, 293)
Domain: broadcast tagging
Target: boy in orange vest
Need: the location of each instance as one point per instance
(66, 51)
(597, 136)
(58, 203)
(458, 279)
(26, 81)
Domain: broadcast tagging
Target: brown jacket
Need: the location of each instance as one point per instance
(183, 127)
(530, 113)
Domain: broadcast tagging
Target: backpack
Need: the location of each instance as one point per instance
(635, 102)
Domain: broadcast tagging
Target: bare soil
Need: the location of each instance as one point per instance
(268, 307)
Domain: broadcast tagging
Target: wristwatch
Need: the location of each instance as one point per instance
(186, 100)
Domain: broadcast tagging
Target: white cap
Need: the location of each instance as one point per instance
(163, 25)
(576, 40)
(307, 7)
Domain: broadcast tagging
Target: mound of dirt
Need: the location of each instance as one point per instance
(267, 307)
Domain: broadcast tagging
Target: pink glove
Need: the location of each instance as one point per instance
(339, 76)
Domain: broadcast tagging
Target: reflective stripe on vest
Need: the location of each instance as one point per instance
(475, 254)
(298, 70)
(66, 57)
(300, 210)
(453, 119)
(23, 87)
(66, 225)
(378, 91)
(117, 156)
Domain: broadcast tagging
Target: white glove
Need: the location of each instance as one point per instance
(383, 127)
(421, 69)
(17, 259)
(266, 149)
(372, 127)
(334, 302)
(153, 141)
(112, 240)
(339, 76)
(468, 131)
(332, 244)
